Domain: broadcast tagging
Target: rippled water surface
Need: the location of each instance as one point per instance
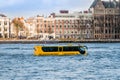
(18, 63)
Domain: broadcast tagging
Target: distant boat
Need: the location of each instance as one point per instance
(59, 50)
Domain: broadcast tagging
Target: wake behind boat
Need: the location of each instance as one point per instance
(59, 50)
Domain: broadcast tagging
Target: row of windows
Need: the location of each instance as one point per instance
(65, 26)
(54, 49)
(106, 17)
(50, 49)
(106, 24)
(107, 31)
(107, 36)
(67, 32)
(5, 29)
(46, 31)
(70, 49)
(5, 23)
(60, 21)
(70, 23)
(102, 31)
(68, 37)
(100, 25)
(66, 21)
(66, 16)
(74, 31)
(5, 35)
(48, 21)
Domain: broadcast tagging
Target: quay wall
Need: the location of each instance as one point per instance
(53, 41)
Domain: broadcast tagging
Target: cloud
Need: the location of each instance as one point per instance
(33, 7)
(6, 3)
(67, 3)
(52, 1)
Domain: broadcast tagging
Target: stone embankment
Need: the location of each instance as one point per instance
(24, 41)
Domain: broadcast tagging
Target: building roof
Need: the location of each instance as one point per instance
(2, 15)
(94, 3)
(109, 4)
(106, 4)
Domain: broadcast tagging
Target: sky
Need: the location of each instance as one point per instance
(28, 8)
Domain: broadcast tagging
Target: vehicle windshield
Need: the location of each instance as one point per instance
(82, 50)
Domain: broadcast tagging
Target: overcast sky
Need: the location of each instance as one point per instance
(28, 8)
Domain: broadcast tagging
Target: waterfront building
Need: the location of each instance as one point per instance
(85, 24)
(40, 27)
(63, 25)
(77, 25)
(106, 19)
(45, 27)
(4, 26)
(66, 25)
(31, 26)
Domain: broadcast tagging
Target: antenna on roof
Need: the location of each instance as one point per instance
(119, 3)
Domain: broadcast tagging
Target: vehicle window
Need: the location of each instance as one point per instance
(50, 49)
(73, 48)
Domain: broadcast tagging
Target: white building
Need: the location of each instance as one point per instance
(45, 27)
(74, 25)
(31, 26)
(4, 26)
(40, 27)
(85, 23)
(66, 25)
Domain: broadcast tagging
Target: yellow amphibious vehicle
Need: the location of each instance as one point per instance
(59, 50)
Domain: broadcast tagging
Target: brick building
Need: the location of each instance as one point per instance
(106, 19)
(45, 27)
(66, 25)
(86, 25)
(76, 25)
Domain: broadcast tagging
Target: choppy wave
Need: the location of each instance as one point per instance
(17, 48)
(18, 63)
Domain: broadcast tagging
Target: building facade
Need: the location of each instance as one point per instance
(45, 28)
(85, 24)
(106, 19)
(66, 25)
(41, 28)
(77, 25)
(31, 26)
(4, 26)
(63, 26)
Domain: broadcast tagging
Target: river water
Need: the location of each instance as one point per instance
(18, 63)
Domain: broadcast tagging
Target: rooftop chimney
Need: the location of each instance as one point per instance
(64, 11)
